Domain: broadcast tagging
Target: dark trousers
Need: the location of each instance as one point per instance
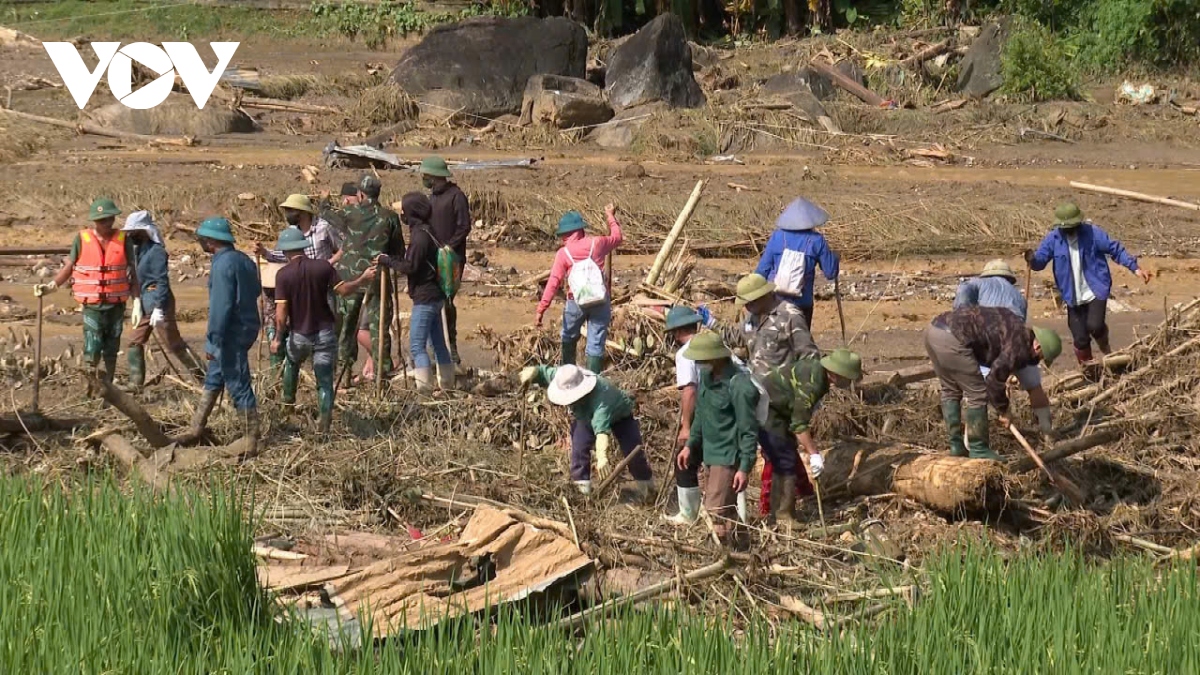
(780, 451)
(1087, 322)
(689, 477)
(628, 435)
(452, 328)
(230, 370)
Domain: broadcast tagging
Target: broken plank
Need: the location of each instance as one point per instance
(850, 86)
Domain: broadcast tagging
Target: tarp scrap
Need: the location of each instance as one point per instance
(361, 156)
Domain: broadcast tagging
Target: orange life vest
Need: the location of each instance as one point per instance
(102, 272)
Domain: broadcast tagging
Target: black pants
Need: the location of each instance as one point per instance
(1087, 322)
(689, 477)
(452, 328)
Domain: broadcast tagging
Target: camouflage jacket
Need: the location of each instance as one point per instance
(998, 339)
(777, 339)
(795, 392)
(370, 229)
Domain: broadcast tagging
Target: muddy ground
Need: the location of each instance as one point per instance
(908, 228)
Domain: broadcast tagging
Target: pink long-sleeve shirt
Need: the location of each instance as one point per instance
(578, 246)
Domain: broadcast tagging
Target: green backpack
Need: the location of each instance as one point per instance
(449, 268)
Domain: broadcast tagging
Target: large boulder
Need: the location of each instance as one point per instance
(176, 115)
(563, 102)
(478, 68)
(621, 131)
(980, 72)
(655, 64)
(802, 79)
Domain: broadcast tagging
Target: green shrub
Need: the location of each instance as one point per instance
(1038, 65)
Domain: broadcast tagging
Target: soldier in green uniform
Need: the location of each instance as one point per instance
(371, 230)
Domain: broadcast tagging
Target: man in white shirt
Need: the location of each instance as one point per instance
(682, 324)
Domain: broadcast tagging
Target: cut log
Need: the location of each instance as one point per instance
(857, 90)
(81, 128)
(145, 424)
(951, 485)
(930, 52)
(1139, 196)
(278, 105)
(1066, 449)
(669, 243)
(133, 460)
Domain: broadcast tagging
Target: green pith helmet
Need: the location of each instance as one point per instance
(435, 166)
(292, 239)
(843, 362)
(681, 317)
(103, 208)
(706, 346)
(752, 287)
(216, 228)
(1068, 215)
(570, 222)
(1050, 341)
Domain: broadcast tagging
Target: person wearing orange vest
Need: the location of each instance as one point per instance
(102, 268)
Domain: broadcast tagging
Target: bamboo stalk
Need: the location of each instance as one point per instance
(1139, 196)
(673, 235)
(707, 572)
(616, 473)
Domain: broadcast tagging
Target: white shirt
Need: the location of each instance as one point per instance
(1083, 292)
(686, 370)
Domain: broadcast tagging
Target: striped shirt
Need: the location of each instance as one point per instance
(324, 243)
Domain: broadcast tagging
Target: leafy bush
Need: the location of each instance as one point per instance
(1037, 65)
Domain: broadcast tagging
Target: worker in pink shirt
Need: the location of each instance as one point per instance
(581, 262)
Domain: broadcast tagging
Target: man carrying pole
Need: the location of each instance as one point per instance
(102, 265)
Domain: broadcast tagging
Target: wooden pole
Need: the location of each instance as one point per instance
(1066, 449)
(37, 358)
(673, 235)
(383, 297)
(616, 473)
(837, 294)
(854, 88)
(35, 250)
(1139, 196)
(1068, 488)
(261, 297)
(707, 572)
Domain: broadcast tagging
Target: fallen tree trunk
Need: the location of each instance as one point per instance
(145, 424)
(951, 485)
(133, 460)
(857, 90)
(83, 128)
(35, 423)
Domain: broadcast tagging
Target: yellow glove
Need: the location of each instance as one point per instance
(602, 443)
(527, 375)
(136, 315)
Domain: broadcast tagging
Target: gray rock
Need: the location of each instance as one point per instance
(655, 64)
(980, 73)
(803, 79)
(176, 115)
(478, 68)
(620, 131)
(563, 102)
(852, 70)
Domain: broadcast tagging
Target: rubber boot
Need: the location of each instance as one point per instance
(786, 506)
(208, 401)
(189, 363)
(250, 426)
(137, 366)
(977, 434)
(1083, 356)
(446, 377)
(110, 368)
(689, 507)
(595, 363)
(568, 351)
(291, 381)
(643, 490)
(325, 397)
(424, 379)
(952, 415)
(1045, 421)
(584, 486)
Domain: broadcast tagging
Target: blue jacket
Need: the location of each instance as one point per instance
(990, 292)
(152, 274)
(233, 291)
(1095, 247)
(816, 252)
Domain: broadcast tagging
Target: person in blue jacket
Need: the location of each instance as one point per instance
(793, 253)
(233, 325)
(1080, 251)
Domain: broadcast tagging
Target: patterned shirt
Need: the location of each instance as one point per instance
(371, 229)
(795, 393)
(778, 338)
(998, 339)
(325, 243)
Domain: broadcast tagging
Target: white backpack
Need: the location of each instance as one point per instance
(789, 277)
(586, 281)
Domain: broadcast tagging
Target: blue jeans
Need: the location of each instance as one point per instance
(425, 331)
(230, 370)
(322, 347)
(597, 316)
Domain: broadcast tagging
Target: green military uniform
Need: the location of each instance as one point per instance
(371, 229)
(103, 323)
(794, 393)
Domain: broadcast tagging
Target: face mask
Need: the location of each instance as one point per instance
(705, 369)
(292, 219)
(427, 181)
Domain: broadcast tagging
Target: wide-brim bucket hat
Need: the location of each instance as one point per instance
(141, 221)
(292, 239)
(1068, 215)
(216, 228)
(843, 362)
(800, 216)
(298, 203)
(1050, 341)
(706, 346)
(682, 317)
(571, 221)
(570, 384)
(435, 166)
(998, 268)
(103, 208)
(752, 287)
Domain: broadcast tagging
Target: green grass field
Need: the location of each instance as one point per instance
(97, 581)
(129, 20)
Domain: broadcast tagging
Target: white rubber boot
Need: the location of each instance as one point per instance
(741, 507)
(689, 507)
(584, 487)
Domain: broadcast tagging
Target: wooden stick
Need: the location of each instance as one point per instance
(81, 128)
(35, 250)
(673, 235)
(1066, 449)
(571, 521)
(867, 595)
(616, 473)
(1068, 488)
(930, 52)
(1143, 544)
(857, 90)
(707, 572)
(383, 295)
(272, 553)
(1135, 376)
(837, 294)
(37, 357)
(284, 106)
(145, 424)
(1139, 196)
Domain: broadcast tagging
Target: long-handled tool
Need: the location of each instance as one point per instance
(816, 490)
(837, 294)
(1064, 485)
(1028, 282)
(383, 301)
(37, 358)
